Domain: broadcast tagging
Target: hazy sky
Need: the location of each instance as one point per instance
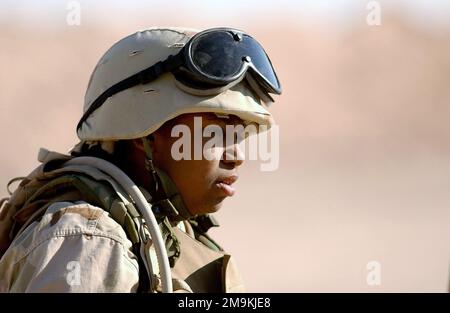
(426, 12)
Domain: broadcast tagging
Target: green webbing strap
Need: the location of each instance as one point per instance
(198, 224)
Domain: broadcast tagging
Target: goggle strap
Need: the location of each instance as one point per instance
(153, 72)
(206, 92)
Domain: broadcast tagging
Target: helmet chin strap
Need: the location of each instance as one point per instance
(149, 162)
(167, 198)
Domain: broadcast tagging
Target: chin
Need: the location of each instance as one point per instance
(214, 208)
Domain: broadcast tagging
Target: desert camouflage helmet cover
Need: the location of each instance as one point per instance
(139, 111)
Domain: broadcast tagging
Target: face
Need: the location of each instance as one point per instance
(206, 181)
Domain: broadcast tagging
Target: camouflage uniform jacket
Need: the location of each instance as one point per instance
(78, 247)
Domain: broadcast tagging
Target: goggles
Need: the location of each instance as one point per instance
(210, 62)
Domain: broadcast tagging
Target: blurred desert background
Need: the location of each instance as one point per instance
(364, 123)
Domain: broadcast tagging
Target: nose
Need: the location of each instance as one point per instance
(233, 156)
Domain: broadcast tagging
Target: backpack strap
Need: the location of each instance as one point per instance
(97, 193)
(53, 182)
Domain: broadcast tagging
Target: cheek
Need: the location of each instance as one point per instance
(193, 177)
(195, 182)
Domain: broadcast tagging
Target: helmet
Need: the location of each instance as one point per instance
(140, 110)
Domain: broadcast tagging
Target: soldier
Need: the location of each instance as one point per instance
(121, 213)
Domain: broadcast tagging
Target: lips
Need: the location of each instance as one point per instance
(225, 184)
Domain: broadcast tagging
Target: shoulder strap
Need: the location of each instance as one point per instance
(51, 182)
